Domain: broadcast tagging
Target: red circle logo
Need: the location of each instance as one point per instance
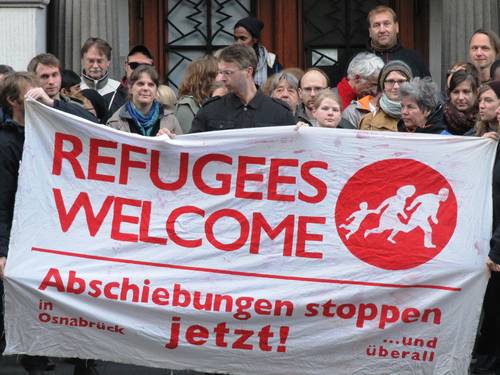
(396, 214)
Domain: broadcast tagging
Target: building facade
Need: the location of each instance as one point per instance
(303, 33)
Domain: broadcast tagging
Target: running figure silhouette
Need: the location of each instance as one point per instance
(356, 219)
(427, 208)
(392, 207)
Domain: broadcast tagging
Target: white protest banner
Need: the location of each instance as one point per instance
(259, 251)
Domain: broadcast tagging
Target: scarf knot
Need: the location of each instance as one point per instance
(145, 123)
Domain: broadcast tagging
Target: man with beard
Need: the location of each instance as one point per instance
(244, 106)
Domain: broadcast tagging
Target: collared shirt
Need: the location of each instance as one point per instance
(229, 112)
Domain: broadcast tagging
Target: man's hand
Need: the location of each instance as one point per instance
(3, 260)
(39, 94)
(492, 265)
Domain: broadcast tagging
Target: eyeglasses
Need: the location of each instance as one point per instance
(392, 82)
(311, 89)
(135, 65)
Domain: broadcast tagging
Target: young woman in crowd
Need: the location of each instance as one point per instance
(489, 100)
(388, 113)
(195, 89)
(421, 111)
(461, 65)
(460, 109)
(142, 113)
(328, 112)
(247, 31)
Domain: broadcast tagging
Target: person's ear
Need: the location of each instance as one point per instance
(12, 102)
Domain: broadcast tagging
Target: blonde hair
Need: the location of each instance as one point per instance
(166, 96)
(325, 94)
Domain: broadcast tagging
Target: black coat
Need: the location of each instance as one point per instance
(409, 56)
(495, 238)
(11, 149)
(116, 99)
(65, 105)
(435, 123)
(228, 112)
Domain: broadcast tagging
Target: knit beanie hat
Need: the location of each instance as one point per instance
(495, 86)
(253, 26)
(391, 66)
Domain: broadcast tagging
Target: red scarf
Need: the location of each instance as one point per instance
(346, 92)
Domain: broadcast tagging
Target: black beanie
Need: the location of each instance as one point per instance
(252, 24)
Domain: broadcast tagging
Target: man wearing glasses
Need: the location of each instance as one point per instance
(96, 58)
(312, 82)
(244, 106)
(139, 55)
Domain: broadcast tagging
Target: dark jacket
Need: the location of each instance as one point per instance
(116, 99)
(344, 124)
(66, 105)
(435, 123)
(409, 56)
(228, 112)
(495, 238)
(11, 148)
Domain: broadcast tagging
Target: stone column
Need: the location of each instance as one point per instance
(23, 31)
(73, 21)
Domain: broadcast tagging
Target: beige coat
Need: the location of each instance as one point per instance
(121, 120)
(379, 121)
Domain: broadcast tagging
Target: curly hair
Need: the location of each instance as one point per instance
(199, 76)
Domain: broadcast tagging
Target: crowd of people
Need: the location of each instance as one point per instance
(385, 88)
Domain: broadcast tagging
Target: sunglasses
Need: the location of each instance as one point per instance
(135, 65)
